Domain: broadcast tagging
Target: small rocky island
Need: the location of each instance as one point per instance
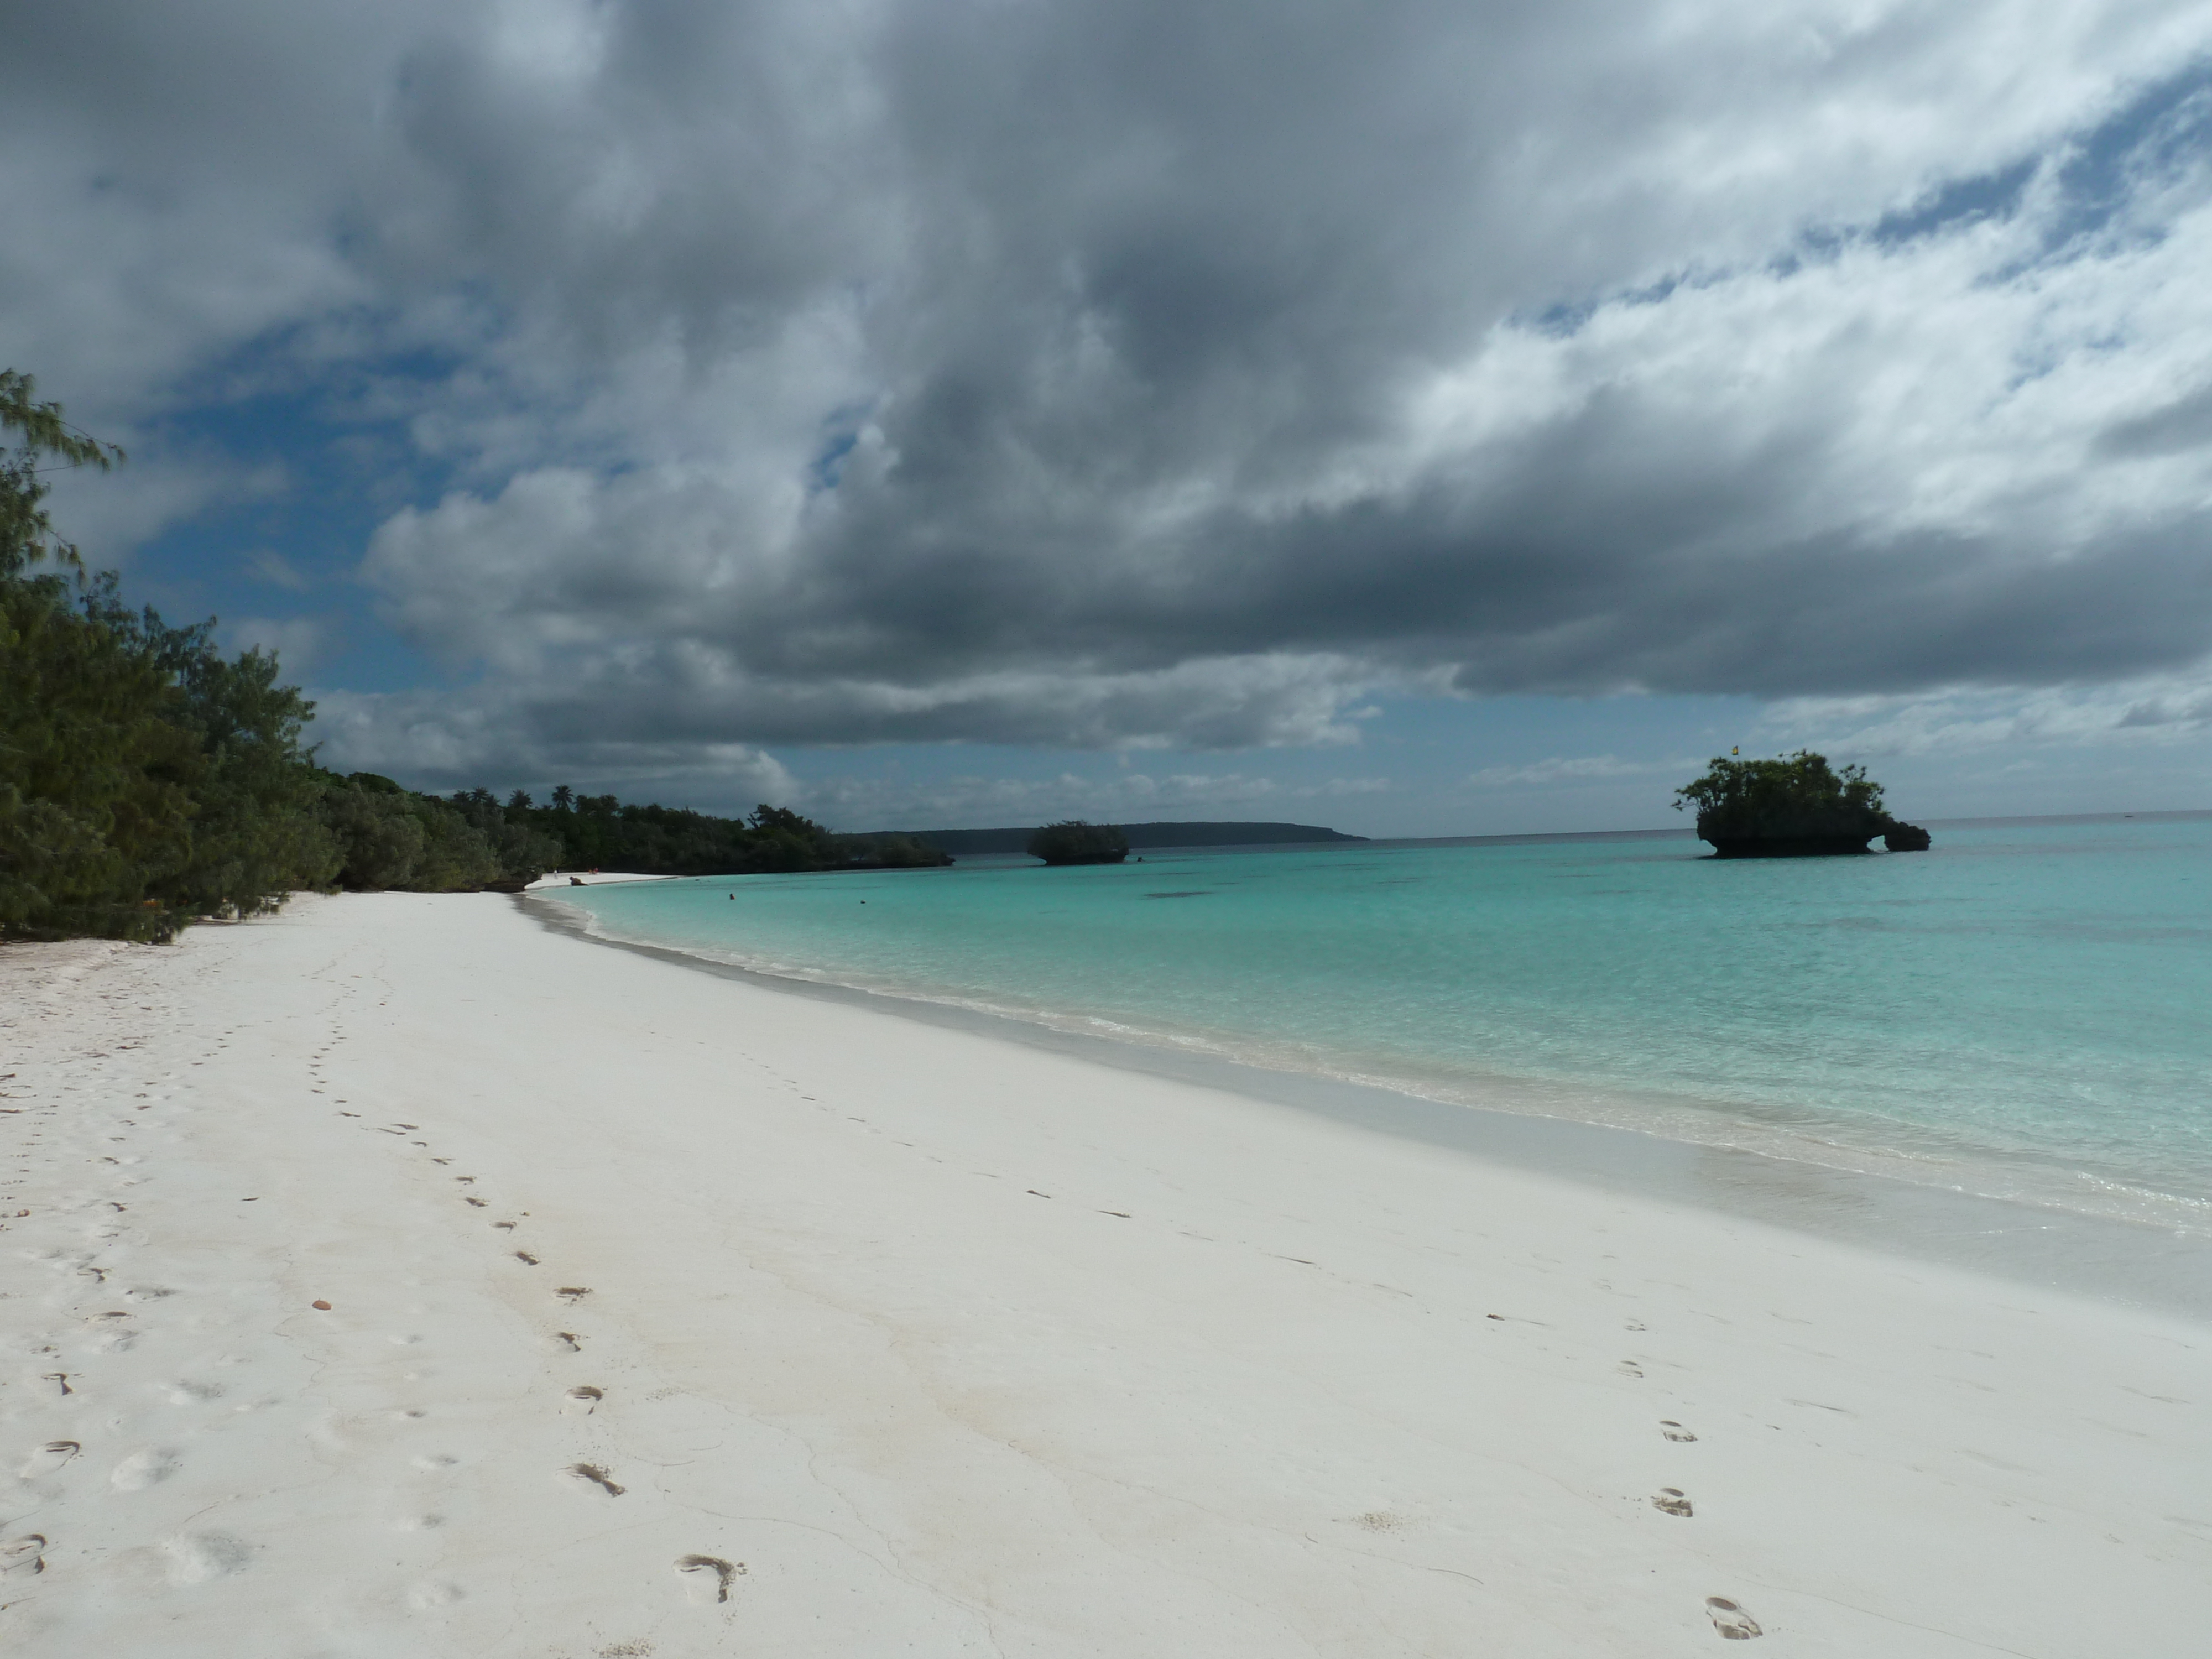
(1795, 807)
(1075, 842)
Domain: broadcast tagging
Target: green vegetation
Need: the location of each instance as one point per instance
(1075, 842)
(147, 780)
(601, 833)
(393, 838)
(1794, 806)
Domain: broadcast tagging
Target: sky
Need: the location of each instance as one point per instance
(1417, 418)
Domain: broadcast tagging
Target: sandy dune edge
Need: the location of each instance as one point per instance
(673, 1316)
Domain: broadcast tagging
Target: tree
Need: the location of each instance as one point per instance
(380, 841)
(522, 852)
(145, 779)
(96, 778)
(255, 835)
(26, 535)
(389, 837)
(95, 781)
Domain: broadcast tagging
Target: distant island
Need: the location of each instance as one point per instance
(1797, 806)
(978, 843)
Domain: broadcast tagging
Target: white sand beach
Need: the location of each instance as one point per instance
(672, 1316)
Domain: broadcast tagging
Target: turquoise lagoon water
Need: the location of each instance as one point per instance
(2026, 1010)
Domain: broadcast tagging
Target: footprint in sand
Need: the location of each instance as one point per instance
(1630, 1368)
(569, 1342)
(1674, 1430)
(591, 1475)
(25, 1555)
(48, 1458)
(195, 1558)
(1670, 1501)
(708, 1579)
(573, 1293)
(145, 1468)
(583, 1401)
(1733, 1623)
(1380, 1521)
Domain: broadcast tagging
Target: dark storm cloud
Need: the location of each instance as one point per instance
(1089, 373)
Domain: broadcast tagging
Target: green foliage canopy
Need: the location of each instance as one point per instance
(95, 779)
(98, 763)
(26, 535)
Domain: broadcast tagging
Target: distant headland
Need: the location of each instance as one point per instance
(982, 843)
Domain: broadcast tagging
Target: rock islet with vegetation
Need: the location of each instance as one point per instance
(1075, 842)
(1794, 806)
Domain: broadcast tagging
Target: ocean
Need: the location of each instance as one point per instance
(2025, 1012)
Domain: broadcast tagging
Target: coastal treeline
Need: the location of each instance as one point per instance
(144, 777)
(392, 839)
(600, 832)
(147, 778)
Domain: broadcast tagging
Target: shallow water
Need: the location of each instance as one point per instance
(2021, 1012)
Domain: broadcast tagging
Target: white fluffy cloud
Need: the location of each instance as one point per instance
(2155, 712)
(1572, 769)
(445, 742)
(1123, 374)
